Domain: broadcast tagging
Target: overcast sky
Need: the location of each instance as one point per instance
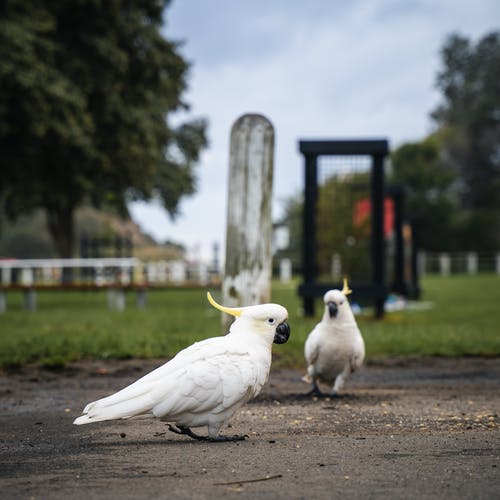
(317, 69)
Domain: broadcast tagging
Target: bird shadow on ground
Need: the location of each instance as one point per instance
(306, 398)
(161, 441)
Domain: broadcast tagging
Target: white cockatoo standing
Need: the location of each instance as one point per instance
(205, 383)
(334, 348)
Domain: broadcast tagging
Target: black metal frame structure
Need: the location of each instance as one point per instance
(375, 290)
(406, 284)
(398, 283)
(414, 291)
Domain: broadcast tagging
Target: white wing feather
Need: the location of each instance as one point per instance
(210, 375)
(311, 347)
(311, 352)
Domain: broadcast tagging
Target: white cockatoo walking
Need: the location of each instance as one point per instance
(206, 383)
(334, 348)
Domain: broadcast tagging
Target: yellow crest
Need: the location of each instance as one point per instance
(236, 311)
(346, 290)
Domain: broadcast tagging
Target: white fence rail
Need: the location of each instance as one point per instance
(54, 272)
(114, 274)
(102, 272)
(457, 262)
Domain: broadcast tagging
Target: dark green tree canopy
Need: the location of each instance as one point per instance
(430, 198)
(469, 117)
(87, 88)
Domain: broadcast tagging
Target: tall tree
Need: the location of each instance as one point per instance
(469, 117)
(87, 88)
(431, 198)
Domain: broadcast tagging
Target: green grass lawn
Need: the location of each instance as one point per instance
(464, 320)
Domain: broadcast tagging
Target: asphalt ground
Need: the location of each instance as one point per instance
(405, 428)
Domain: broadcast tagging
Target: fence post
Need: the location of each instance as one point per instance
(472, 263)
(6, 276)
(285, 270)
(3, 301)
(120, 299)
(247, 276)
(151, 272)
(30, 299)
(99, 277)
(27, 276)
(444, 264)
(141, 298)
(116, 298)
(178, 271)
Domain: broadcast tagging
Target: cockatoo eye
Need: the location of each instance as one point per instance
(341, 302)
(271, 321)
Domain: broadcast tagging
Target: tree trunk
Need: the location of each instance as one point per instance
(61, 227)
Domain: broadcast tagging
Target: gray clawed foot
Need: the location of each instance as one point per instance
(219, 439)
(186, 431)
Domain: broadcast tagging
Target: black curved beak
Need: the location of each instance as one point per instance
(332, 309)
(282, 333)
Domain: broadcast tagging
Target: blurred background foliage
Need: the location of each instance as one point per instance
(88, 88)
(28, 237)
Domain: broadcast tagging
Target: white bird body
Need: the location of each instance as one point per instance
(334, 348)
(206, 383)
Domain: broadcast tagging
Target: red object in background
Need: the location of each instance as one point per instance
(362, 211)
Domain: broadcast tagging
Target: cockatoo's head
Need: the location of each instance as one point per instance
(269, 320)
(336, 304)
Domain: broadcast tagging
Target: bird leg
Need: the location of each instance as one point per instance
(315, 390)
(340, 380)
(180, 429)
